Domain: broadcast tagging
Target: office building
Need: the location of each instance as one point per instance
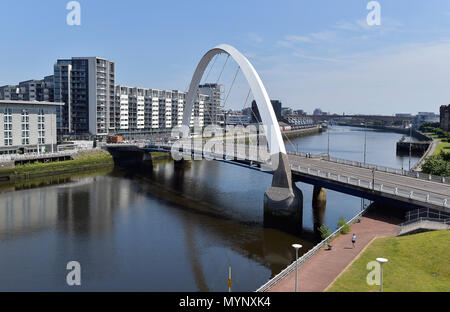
(317, 112)
(423, 117)
(445, 117)
(27, 126)
(256, 117)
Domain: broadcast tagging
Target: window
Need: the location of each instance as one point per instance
(7, 128)
(41, 127)
(25, 127)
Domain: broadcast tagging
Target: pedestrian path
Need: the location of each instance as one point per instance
(324, 267)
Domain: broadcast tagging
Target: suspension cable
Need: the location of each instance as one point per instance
(223, 68)
(231, 87)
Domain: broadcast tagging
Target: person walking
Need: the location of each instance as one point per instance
(353, 239)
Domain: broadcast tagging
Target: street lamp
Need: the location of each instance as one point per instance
(328, 130)
(365, 141)
(410, 136)
(297, 247)
(381, 261)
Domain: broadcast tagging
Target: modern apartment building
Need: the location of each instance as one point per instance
(10, 92)
(27, 126)
(214, 92)
(30, 90)
(143, 110)
(87, 87)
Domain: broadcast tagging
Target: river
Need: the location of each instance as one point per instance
(176, 229)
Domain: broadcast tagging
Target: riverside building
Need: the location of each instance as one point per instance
(143, 110)
(27, 126)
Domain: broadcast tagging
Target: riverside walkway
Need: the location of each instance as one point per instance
(322, 269)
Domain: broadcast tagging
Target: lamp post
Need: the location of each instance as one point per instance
(365, 141)
(297, 247)
(381, 261)
(410, 136)
(328, 130)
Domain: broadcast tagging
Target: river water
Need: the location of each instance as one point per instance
(174, 229)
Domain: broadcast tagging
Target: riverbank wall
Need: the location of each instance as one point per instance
(81, 162)
(303, 132)
(406, 131)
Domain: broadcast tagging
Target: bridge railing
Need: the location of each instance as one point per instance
(412, 174)
(394, 190)
(31, 156)
(426, 215)
(307, 255)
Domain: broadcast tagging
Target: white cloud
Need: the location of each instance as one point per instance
(407, 78)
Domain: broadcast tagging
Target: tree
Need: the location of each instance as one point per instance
(343, 223)
(325, 231)
(437, 165)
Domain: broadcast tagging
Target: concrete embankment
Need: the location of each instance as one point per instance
(415, 133)
(302, 132)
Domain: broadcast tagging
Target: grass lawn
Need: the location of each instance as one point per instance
(417, 263)
(85, 161)
(442, 146)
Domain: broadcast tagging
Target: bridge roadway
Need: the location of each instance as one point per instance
(358, 181)
(393, 188)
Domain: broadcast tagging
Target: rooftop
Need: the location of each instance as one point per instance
(9, 102)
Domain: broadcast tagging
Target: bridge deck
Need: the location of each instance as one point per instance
(351, 179)
(387, 179)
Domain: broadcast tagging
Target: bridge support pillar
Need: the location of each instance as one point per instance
(283, 202)
(319, 205)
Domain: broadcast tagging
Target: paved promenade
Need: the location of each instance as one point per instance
(324, 267)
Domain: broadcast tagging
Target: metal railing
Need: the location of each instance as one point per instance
(307, 255)
(394, 190)
(426, 215)
(390, 189)
(31, 156)
(412, 174)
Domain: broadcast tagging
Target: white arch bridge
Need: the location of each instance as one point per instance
(283, 200)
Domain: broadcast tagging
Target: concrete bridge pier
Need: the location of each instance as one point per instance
(319, 205)
(283, 201)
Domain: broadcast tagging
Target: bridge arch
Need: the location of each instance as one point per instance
(273, 132)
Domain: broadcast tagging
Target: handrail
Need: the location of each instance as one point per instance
(413, 174)
(307, 255)
(394, 190)
(426, 214)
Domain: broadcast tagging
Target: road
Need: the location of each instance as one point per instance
(387, 179)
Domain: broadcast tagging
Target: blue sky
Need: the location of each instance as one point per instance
(308, 53)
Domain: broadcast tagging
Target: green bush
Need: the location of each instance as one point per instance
(325, 231)
(437, 165)
(428, 125)
(343, 223)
